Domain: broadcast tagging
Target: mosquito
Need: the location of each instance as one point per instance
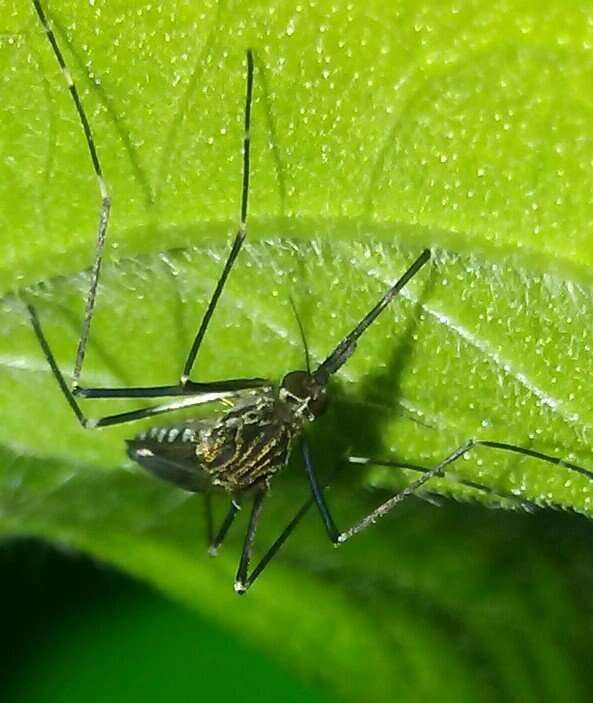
(240, 450)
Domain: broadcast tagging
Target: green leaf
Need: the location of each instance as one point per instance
(376, 132)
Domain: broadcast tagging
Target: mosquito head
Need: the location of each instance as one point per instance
(303, 394)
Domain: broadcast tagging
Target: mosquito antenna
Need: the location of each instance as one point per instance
(302, 333)
(346, 347)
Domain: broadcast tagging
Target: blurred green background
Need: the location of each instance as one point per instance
(76, 630)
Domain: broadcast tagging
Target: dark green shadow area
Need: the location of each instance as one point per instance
(74, 630)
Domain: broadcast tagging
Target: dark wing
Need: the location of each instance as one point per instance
(169, 453)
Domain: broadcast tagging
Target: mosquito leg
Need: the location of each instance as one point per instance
(241, 579)
(389, 504)
(208, 518)
(241, 234)
(186, 387)
(217, 541)
(105, 207)
(120, 418)
(455, 456)
(284, 535)
(338, 537)
(317, 490)
(514, 449)
(500, 446)
(273, 550)
(496, 493)
(228, 386)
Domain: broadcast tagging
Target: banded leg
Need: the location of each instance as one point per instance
(338, 537)
(428, 473)
(186, 386)
(333, 533)
(291, 526)
(188, 399)
(495, 493)
(105, 207)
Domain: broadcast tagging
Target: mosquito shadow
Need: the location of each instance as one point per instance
(114, 114)
(273, 137)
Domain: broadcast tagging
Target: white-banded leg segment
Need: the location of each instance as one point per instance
(409, 490)
(386, 507)
(89, 423)
(476, 485)
(105, 207)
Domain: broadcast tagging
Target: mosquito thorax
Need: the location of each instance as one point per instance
(303, 394)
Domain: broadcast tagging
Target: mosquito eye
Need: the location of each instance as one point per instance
(297, 384)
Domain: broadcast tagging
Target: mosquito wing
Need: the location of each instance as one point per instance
(169, 453)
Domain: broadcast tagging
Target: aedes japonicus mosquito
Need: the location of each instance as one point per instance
(238, 451)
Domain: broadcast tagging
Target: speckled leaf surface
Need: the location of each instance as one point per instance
(376, 132)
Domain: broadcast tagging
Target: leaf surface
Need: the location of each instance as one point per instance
(376, 132)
